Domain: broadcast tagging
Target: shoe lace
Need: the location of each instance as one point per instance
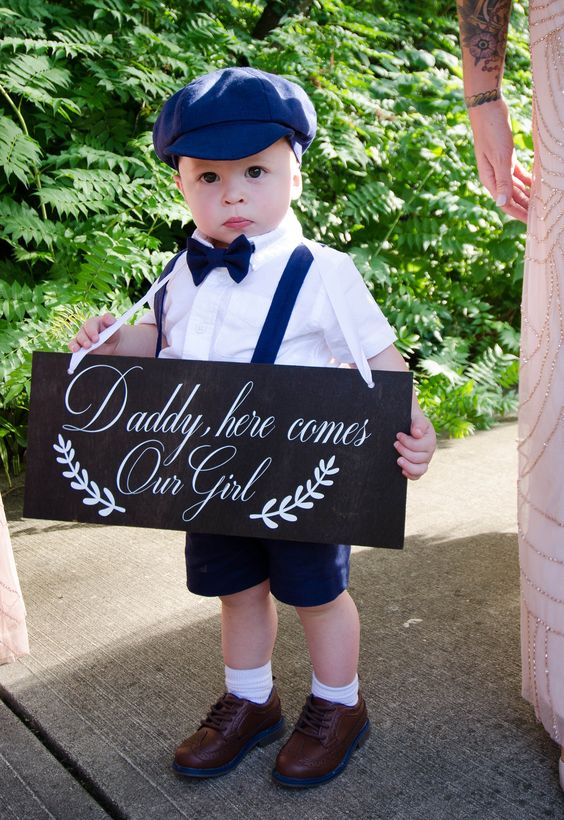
(221, 713)
(315, 719)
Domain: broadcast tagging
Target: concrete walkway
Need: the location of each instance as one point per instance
(124, 663)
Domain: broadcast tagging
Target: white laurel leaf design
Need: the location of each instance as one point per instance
(81, 480)
(301, 497)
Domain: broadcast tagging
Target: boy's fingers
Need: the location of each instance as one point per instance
(415, 456)
(412, 471)
(82, 338)
(89, 333)
(422, 443)
(420, 426)
(404, 438)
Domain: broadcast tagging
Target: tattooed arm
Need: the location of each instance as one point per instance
(483, 36)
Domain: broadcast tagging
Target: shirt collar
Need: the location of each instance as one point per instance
(268, 245)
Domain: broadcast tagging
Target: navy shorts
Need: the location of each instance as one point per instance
(300, 573)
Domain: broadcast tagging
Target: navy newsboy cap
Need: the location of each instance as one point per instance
(233, 113)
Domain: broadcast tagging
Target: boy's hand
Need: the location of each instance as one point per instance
(416, 449)
(89, 333)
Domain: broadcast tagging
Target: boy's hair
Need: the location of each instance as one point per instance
(233, 113)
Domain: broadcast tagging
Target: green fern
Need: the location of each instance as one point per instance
(370, 201)
(92, 157)
(74, 191)
(496, 371)
(34, 78)
(68, 202)
(12, 441)
(19, 152)
(22, 223)
(66, 43)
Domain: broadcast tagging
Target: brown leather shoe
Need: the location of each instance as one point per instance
(232, 728)
(320, 746)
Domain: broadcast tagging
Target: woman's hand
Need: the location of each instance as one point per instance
(498, 168)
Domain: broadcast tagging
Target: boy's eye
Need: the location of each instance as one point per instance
(255, 171)
(209, 176)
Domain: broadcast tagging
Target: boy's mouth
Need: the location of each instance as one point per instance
(237, 222)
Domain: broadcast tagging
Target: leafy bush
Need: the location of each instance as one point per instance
(90, 214)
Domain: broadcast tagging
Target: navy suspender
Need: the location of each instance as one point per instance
(278, 316)
(282, 306)
(158, 304)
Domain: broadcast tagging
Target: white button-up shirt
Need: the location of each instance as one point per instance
(221, 320)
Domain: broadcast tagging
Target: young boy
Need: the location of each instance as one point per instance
(235, 139)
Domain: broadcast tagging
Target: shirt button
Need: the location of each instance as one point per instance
(201, 329)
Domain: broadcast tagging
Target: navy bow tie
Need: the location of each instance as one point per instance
(202, 259)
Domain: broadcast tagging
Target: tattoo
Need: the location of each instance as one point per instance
(483, 97)
(483, 31)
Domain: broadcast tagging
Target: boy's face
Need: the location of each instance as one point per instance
(242, 196)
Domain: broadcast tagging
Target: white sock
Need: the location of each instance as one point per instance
(250, 684)
(347, 695)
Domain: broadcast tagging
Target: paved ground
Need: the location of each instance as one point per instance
(124, 663)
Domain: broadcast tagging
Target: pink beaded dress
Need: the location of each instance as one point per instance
(13, 631)
(541, 414)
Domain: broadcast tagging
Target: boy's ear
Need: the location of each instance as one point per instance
(296, 183)
(178, 183)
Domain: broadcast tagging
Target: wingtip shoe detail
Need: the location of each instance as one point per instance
(232, 727)
(321, 745)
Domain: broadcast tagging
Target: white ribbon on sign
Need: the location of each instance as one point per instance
(77, 357)
(332, 281)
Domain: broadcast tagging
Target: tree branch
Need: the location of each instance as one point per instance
(274, 11)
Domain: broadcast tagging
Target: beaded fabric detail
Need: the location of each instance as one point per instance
(541, 386)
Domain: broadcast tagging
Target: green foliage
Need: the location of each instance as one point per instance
(19, 151)
(90, 215)
(462, 396)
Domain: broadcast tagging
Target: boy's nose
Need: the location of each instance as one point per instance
(232, 194)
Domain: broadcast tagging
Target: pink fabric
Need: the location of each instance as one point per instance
(541, 413)
(13, 630)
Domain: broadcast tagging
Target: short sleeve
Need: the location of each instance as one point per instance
(357, 306)
(147, 318)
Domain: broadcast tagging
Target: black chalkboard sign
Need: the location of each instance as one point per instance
(299, 453)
